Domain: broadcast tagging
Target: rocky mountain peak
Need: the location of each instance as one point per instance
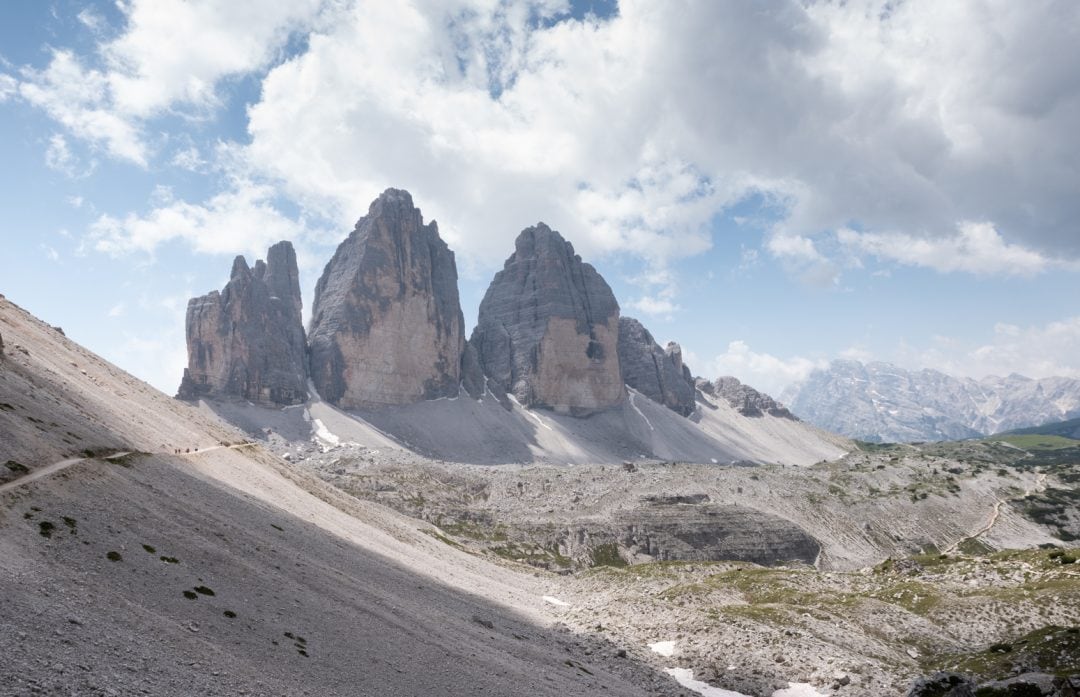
(387, 326)
(657, 373)
(547, 330)
(247, 341)
(745, 399)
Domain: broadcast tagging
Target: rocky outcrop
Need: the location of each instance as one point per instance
(248, 340)
(657, 373)
(746, 400)
(386, 326)
(548, 328)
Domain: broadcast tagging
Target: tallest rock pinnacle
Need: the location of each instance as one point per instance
(386, 323)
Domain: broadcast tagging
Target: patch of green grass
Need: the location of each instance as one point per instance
(204, 590)
(975, 547)
(45, 528)
(1038, 442)
(149, 549)
(607, 555)
(170, 560)
(190, 595)
(114, 556)
(1051, 649)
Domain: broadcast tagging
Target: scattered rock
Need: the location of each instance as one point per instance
(943, 684)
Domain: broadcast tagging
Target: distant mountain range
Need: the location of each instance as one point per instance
(881, 402)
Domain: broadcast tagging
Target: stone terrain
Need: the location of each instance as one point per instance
(387, 327)
(880, 402)
(226, 570)
(746, 400)
(548, 328)
(657, 373)
(281, 568)
(247, 341)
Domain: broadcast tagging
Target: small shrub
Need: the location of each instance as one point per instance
(45, 528)
(191, 595)
(16, 467)
(1068, 559)
(204, 590)
(1000, 648)
(170, 560)
(149, 549)
(114, 556)
(230, 614)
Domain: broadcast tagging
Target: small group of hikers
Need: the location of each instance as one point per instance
(179, 451)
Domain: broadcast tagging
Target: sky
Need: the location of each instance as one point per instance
(772, 184)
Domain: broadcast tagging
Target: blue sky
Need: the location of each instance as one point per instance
(771, 186)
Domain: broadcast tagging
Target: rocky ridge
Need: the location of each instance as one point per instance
(386, 326)
(657, 373)
(247, 341)
(745, 399)
(881, 402)
(548, 328)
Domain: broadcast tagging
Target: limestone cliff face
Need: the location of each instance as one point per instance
(386, 326)
(657, 373)
(745, 399)
(248, 340)
(548, 327)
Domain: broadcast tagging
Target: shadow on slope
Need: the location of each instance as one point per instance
(156, 579)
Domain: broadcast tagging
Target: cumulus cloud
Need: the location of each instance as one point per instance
(1035, 351)
(762, 371)
(630, 133)
(976, 248)
(171, 54)
(242, 219)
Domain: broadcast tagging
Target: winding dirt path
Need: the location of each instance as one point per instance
(1040, 484)
(55, 467)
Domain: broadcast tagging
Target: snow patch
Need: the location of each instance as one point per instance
(551, 600)
(685, 677)
(664, 648)
(640, 413)
(324, 434)
(528, 412)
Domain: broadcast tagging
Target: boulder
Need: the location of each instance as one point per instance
(657, 373)
(247, 341)
(746, 400)
(548, 327)
(943, 684)
(386, 325)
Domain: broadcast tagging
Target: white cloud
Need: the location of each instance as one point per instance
(1034, 351)
(241, 219)
(189, 158)
(76, 97)
(9, 87)
(975, 248)
(91, 20)
(762, 371)
(170, 55)
(116, 310)
(59, 157)
(628, 134)
(652, 305)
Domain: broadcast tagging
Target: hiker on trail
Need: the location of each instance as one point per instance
(187, 450)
